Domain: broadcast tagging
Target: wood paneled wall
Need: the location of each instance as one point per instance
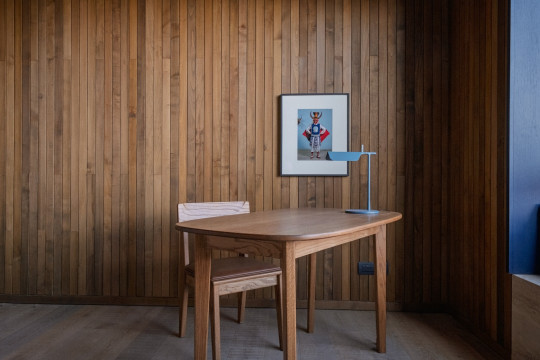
(115, 111)
(427, 63)
(479, 287)
(112, 112)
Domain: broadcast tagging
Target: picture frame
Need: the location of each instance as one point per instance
(304, 154)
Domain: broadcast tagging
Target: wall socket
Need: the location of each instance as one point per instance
(368, 268)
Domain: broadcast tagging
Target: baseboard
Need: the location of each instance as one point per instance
(89, 300)
(171, 301)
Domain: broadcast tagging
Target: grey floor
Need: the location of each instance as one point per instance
(147, 332)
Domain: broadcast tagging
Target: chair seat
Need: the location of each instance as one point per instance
(237, 267)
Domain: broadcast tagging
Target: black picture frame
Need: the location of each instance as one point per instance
(299, 155)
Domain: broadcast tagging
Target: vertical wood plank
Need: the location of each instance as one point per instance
(217, 132)
(418, 151)
(166, 151)
(99, 147)
(337, 70)
(392, 144)
(259, 116)
(400, 149)
(208, 46)
(384, 137)
(3, 140)
(57, 151)
(89, 171)
(74, 137)
(166, 176)
(18, 243)
(327, 184)
(277, 76)
(33, 233)
(445, 175)
(268, 105)
(226, 113)
(346, 181)
(285, 85)
(355, 118)
(42, 118)
(149, 119)
(108, 149)
(409, 142)
(178, 117)
(240, 92)
(299, 69)
(139, 18)
(167, 158)
(36, 177)
(118, 142)
(494, 76)
(83, 149)
(250, 104)
(308, 185)
(259, 111)
(242, 98)
(50, 58)
(427, 96)
(375, 122)
(364, 127)
(158, 143)
(122, 231)
(269, 138)
(234, 85)
(294, 84)
(133, 126)
(199, 98)
(67, 108)
(438, 118)
(25, 144)
(487, 165)
(191, 77)
(3, 37)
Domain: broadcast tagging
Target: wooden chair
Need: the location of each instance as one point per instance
(229, 275)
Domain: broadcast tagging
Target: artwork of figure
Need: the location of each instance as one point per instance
(316, 132)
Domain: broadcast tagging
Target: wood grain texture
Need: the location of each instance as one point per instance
(477, 184)
(525, 317)
(113, 112)
(3, 114)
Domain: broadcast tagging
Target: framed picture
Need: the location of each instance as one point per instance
(312, 125)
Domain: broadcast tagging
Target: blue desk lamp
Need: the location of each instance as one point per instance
(355, 156)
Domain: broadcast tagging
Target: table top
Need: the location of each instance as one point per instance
(288, 224)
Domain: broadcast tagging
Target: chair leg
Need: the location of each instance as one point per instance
(278, 311)
(215, 324)
(311, 292)
(184, 291)
(241, 306)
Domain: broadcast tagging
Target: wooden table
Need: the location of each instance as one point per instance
(286, 234)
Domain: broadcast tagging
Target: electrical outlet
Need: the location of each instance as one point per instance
(368, 268)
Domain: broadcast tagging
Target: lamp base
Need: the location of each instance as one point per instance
(361, 211)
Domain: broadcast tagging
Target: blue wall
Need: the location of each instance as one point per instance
(524, 137)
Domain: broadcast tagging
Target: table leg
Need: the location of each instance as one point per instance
(311, 292)
(289, 301)
(380, 275)
(203, 257)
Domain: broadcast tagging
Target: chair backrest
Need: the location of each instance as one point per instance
(195, 211)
